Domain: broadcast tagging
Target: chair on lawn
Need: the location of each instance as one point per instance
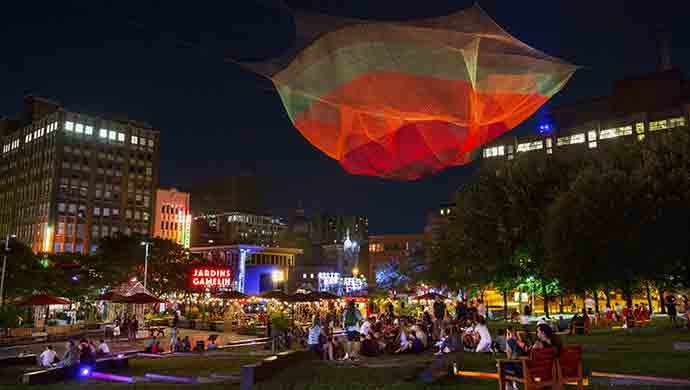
(569, 366)
(536, 372)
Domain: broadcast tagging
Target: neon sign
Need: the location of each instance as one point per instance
(211, 277)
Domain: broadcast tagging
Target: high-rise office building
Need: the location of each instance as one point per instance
(68, 179)
(237, 228)
(172, 219)
(234, 193)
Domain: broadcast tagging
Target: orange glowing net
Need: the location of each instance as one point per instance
(408, 99)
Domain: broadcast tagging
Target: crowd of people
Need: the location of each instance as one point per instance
(85, 353)
(388, 333)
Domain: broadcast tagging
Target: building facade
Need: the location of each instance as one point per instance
(395, 248)
(437, 221)
(240, 193)
(68, 179)
(172, 219)
(256, 269)
(237, 228)
(638, 108)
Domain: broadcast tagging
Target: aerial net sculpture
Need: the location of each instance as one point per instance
(403, 100)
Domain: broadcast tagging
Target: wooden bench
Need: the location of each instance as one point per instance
(252, 374)
(536, 372)
(569, 366)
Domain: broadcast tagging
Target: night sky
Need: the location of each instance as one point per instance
(164, 64)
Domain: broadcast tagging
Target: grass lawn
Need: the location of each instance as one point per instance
(649, 352)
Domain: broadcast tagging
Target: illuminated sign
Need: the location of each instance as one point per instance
(211, 277)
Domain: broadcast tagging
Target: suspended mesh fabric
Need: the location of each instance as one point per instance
(407, 99)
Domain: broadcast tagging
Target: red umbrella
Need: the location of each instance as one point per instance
(45, 300)
(138, 298)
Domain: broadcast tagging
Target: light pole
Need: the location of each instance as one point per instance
(4, 266)
(146, 260)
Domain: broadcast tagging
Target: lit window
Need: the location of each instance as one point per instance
(106, 212)
(88, 130)
(640, 137)
(69, 126)
(96, 211)
(304, 276)
(593, 144)
(112, 135)
(549, 151)
(150, 143)
(103, 133)
(658, 125)
(79, 128)
(571, 140)
(676, 122)
(121, 137)
(528, 146)
(135, 140)
(615, 132)
(639, 127)
(592, 135)
(549, 142)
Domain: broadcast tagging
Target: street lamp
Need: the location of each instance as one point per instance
(4, 266)
(146, 244)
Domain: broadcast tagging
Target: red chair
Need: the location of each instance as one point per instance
(569, 366)
(537, 371)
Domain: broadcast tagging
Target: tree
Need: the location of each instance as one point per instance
(121, 257)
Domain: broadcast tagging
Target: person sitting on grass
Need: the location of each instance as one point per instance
(103, 349)
(444, 344)
(546, 338)
(370, 347)
(186, 344)
(579, 324)
(484, 343)
(562, 324)
(86, 354)
(405, 344)
(148, 344)
(71, 357)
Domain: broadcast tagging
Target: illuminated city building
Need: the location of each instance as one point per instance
(395, 248)
(255, 269)
(68, 179)
(638, 108)
(237, 228)
(172, 219)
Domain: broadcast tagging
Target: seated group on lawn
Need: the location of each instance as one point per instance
(85, 352)
(391, 334)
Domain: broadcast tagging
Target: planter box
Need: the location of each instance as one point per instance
(21, 332)
(58, 330)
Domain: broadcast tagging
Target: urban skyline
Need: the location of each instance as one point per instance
(201, 143)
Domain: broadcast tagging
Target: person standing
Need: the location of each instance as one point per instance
(439, 315)
(671, 309)
(351, 321)
(125, 326)
(173, 337)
